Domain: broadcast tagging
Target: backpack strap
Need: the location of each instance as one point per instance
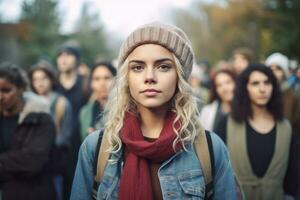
(204, 151)
(96, 181)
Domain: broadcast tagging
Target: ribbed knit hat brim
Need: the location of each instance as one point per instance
(168, 36)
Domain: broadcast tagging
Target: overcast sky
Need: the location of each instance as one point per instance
(119, 16)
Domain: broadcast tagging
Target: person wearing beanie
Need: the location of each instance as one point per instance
(75, 88)
(195, 80)
(279, 64)
(151, 124)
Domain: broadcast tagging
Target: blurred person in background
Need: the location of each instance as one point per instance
(27, 134)
(279, 64)
(241, 58)
(101, 82)
(262, 147)
(221, 94)
(195, 80)
(75, 88)
(43, 81)
(84, 70)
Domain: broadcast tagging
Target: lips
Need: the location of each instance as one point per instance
(150, 92)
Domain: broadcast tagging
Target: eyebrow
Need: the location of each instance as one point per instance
(157, 61)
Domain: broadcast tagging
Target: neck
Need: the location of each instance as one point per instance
(260, 112)
(68, 75)
(262, 120)
(152, 121)
(102, 101)
(67, 80)
(225, 107)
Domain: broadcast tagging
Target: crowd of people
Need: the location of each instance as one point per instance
(148, 111)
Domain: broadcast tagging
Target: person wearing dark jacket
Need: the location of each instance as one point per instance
(26, 138)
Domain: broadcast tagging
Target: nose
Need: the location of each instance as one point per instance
(150, 76)
(262, 88)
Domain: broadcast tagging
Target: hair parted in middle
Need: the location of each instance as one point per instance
(48, 69)
(241, 109)
(213, 88)
(183, 103)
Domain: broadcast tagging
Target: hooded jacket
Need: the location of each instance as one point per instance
(24, 166)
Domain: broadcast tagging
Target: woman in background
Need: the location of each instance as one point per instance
(262, 148)
(101, 81)
(221, 94)
(43, 81)
(27, 134)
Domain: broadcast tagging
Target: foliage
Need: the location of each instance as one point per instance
(91, 36)
(262, 25)
(43, 36)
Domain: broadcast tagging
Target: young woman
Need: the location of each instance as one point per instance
(43, 81)
(221, 94)
(259, 139)
(26, 136)
(101, 81)
(151, 123)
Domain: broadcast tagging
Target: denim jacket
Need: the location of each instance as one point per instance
(180, 176)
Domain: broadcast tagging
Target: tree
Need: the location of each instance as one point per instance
(43, 38)
(284, 26)
(91, 36)
(263, 25)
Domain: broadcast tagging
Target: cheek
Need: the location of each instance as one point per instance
(170, 84)
(108, 84)
(133, 82)
(11, 99)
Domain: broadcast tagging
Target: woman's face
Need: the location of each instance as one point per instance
(224, 87)
(259, 88)
(278, 72)
(41, 82)
(10, 95)
(66, 62)
(101, 83)
(152, 76)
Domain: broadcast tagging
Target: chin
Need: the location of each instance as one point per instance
(261, 104)
(154, 105)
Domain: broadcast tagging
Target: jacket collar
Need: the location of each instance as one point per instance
(33, 104)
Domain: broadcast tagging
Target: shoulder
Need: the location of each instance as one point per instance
(86, 108)
(221, 155)
(89, 144)
(210, 106)
(34, 105)
(219, 147)
(285, 124)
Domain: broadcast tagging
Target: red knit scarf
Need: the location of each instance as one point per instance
(135, 183)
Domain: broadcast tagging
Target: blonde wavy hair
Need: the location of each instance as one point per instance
(183, 103)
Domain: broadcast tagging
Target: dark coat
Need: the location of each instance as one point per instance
(24, 168)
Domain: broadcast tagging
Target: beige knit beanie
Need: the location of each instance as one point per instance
(168, 36)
